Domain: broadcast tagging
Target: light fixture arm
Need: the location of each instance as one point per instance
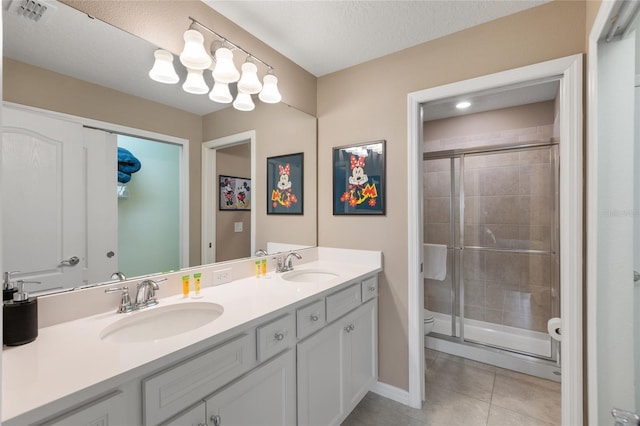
(226, 40)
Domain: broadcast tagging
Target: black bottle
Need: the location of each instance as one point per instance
(20, 318)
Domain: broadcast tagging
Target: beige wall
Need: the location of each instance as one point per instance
(519, 117)
(279, 130)
(28, 85)
(163, 23)
(233, 161)
(369, 102)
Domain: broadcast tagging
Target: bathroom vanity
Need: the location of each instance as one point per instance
(293, 348)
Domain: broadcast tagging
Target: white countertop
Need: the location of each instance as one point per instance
(70, 357)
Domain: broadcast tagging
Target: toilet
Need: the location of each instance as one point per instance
(428, 322)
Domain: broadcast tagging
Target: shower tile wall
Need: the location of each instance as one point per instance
(508, 204)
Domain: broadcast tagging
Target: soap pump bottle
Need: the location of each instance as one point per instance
(20, 318)
(7, 288)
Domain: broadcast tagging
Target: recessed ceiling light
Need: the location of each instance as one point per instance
(463, 104)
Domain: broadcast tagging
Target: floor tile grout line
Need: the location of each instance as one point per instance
(493, 387)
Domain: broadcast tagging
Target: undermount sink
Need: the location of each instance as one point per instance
(161, 322)
(309, 276)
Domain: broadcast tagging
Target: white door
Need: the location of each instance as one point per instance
(102, 204)
(614, 244)
(43, 200)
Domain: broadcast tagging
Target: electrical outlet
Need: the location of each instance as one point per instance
(222, 276)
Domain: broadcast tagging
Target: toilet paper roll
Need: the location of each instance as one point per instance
(554, 328)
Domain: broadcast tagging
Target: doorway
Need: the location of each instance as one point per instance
(225, 234)
(569, 72)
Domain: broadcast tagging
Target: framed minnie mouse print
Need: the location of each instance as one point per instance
(359, 179)
(285, 190)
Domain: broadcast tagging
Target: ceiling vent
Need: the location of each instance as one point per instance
(34, 10)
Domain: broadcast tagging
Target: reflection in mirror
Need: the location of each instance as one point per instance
(83, 67)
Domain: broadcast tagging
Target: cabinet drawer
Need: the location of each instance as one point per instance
(106, 411)
(310, 318)
(275, 337)
(369, 288)
(172, 390)
(343, 301)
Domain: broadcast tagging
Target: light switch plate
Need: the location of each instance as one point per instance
(237, 226)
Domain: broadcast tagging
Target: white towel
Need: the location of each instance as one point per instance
(435, 261)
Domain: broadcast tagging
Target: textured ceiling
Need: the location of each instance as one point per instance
(323, 36)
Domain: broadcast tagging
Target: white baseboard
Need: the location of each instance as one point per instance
(391, 392)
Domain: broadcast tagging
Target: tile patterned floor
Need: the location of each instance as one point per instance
(465, 392)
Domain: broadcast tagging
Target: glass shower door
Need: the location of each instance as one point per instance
(509, 270)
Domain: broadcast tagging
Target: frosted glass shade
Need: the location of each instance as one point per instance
(194, 55)
(249, 82)
(225, 70)
(163, 71)
(244, 102)
(270, 93)
(220, 93)
(194, 82)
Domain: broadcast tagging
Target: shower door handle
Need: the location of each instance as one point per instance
(636, 276)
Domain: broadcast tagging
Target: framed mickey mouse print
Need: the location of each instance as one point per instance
(359, 179)
(285, 189)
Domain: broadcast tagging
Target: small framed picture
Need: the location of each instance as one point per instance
(359, 182)
(235, 193)
(285, 188)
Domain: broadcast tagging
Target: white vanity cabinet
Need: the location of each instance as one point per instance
(337, 366)
(264, 397)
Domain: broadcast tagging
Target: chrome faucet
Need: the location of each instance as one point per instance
(286, 264)
(146, 293)
(145, 296)
(118, 276)
(261, 252)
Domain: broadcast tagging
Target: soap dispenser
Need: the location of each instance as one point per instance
(20, 318)
(7, 288)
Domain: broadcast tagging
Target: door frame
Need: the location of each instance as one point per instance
(145, 134)
(209, 202)
(569, 69)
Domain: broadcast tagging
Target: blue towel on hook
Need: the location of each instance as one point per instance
(127, 162)
(123, 177)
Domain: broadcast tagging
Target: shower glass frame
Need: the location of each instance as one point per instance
(457, 246)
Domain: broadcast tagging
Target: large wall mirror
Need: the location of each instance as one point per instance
(72, 64)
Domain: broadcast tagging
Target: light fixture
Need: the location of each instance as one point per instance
(163, 71)
(249, 82)
(225, 71)
(463, 104)
(195, 83)
(270, 93)
(220, 93)
(196, 59)
(243, 102)
(194, 55)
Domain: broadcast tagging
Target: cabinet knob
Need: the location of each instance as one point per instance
(314, 318)
(372, 288)
(279, 336)
(216, 420)
(349, 328)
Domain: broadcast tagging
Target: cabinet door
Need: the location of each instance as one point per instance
(321, 371)
(264, 397)
(362, 353)
(195, 416)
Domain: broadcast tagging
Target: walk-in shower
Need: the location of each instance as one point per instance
(493, 201)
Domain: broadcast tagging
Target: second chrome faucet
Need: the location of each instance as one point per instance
(286, 264)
